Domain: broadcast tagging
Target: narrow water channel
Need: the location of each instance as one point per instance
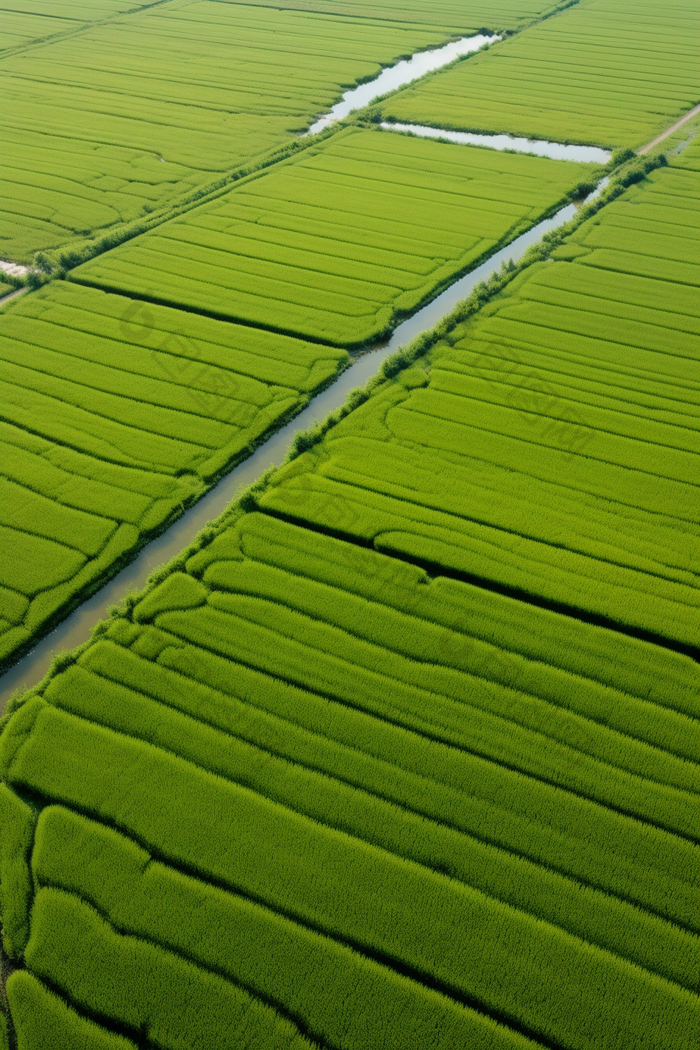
(76, 628)
(555, 150)
(396, 76)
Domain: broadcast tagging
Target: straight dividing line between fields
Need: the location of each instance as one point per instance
(382, 959)
(360, 788)
(214, 314)
(433, 570)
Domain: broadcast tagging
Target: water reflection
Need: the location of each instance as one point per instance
(396, 76)
(76, 628)
(555, 150)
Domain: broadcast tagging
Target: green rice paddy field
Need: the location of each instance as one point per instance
(341, 241)
(24, 23)
(564, 415)
(116, 415)
(110, 123)
(601, 73)
(403, 751)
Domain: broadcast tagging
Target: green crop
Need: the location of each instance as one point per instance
(404, 750)
(181, 97)
(341, 242)
(116, 415)
(590, 75)
(552, 445)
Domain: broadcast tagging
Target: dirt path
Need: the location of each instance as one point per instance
(13, 295)
(669, 131)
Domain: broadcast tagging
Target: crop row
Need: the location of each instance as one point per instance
(115, 416)
(277, 857)
(27, 22)
(183, 94)
(447, 15)
(238, 257)
(588, 75)
(572, 399)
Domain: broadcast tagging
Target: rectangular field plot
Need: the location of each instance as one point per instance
(306, 796)
(595, 74)
(550, 446)
(342, 241)
(116, 416)
(179, 95)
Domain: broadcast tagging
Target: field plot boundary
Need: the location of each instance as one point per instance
(153, 621)
(630, 173)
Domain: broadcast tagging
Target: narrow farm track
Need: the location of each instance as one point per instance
(15, 294)
(669, 131)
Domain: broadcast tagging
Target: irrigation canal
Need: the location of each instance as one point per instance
(394, 77)
(542, 148)
(76, 628)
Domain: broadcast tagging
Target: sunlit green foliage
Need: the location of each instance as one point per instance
(182, 93)
(342, 241)
(552, 447)
(300, 699)
(345, 776)
(27, 22)
(115, 416)
(595, 74)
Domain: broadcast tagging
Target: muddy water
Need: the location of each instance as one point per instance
(396, 76)
(76, 628)
(555, 150)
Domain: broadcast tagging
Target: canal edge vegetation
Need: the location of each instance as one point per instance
(137, 623)
(633, 169)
